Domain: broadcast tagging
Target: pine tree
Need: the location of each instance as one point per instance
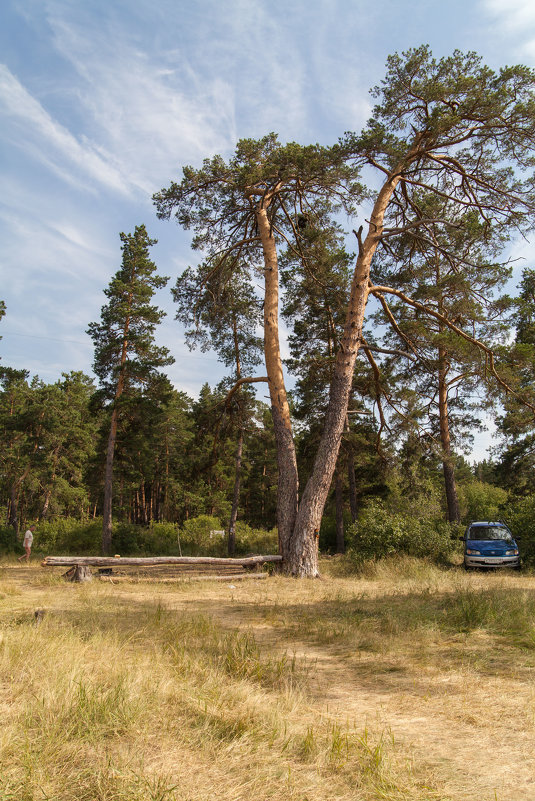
(453, 128)
(126, 355)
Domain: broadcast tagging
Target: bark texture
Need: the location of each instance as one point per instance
(452, 500)
(288, 482)
(302, 554)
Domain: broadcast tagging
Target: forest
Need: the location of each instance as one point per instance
(387, 257)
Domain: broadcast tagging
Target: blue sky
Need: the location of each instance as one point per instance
(103, 101)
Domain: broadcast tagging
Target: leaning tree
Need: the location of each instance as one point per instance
(452, 127)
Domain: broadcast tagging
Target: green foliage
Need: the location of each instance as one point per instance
(481, 501)
(520, 517)
(379, 533)
(124, 337)
(198, 536)
(66, 536)
(8, 539)
(255, 540)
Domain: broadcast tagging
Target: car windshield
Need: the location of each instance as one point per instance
(489, 533)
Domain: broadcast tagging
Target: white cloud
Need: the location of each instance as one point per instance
(513, 14)
(152, 115)
(513, 19)
(47, 140)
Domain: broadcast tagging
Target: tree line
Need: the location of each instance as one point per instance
(395, 348)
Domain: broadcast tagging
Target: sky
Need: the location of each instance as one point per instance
(102, 102)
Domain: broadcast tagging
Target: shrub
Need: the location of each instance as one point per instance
(68, 536)
(380, 533)
(520, 517)
(8, 539)
(481, 501)
(256, 540)
(197, 537)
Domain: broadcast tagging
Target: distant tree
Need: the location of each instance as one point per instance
(125, 352)
(17, 435)
(66, 443)
(224, 315)
(444, 370)
(516, 466)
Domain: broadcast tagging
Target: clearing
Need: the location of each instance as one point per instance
(413, 682)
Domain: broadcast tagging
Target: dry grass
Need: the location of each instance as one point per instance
(369, 688)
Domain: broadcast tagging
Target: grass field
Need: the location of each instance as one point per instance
(408, 682)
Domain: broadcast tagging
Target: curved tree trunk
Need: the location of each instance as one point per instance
(352, 484)
(288, 482)
(303, 557)
(108, 486)
(339, 496)
(299, 520)
(235, 496)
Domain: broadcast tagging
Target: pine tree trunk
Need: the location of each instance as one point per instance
(288, 482)
(108, 487)
(352, 484)
(452, 501)
(299, 521)
(12, 516)
(46, 504)
(235, 496)
(339, 497)
(301, 557)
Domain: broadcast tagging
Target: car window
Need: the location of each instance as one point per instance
(489, 533)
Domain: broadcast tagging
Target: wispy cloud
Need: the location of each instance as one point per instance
(151, 112)
(513, 18)
(33, 129)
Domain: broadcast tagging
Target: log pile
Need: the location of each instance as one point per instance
(163, 567)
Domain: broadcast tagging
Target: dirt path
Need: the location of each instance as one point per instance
(474, 732)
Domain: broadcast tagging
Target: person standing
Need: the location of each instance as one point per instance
(28, 541)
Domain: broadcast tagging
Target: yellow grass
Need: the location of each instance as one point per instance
(410, 683)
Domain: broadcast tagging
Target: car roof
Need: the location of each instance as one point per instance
(487, 523)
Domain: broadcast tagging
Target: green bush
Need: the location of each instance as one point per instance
(380, 533)
(256, 540)
(8, 539)
(481, 501)
(197, 537)
(520, 517)
(66, 536)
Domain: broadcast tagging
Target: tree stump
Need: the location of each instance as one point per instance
(79, 573)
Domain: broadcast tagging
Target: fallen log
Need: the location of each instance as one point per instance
(184, 577)
(119, 561)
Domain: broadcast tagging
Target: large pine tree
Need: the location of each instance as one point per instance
(453, 128)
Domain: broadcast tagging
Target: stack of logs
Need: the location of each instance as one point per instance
(80, 566)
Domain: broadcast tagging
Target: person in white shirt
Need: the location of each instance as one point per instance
(28, 541)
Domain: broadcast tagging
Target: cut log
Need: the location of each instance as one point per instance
(117, 578)
(118, 561)
(79, 573)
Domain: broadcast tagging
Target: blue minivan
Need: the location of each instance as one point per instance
(488, 545)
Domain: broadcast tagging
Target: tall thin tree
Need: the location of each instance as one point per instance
(125, 352)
